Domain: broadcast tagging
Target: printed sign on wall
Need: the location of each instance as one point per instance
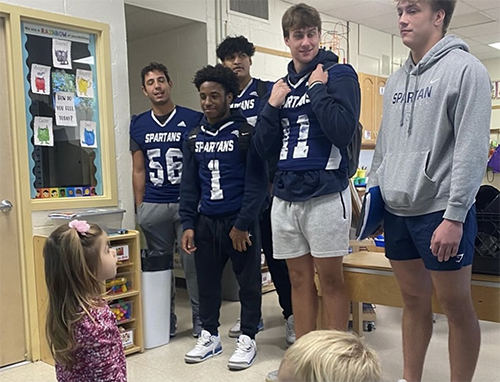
(84, 85)
(40, 79)
(43, 133)
(61, 54)
(65, 109)
(88, 134)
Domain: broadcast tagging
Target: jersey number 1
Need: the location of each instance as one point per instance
(215, 190)
(302, 149)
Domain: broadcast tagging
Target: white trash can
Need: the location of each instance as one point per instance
(156, 292)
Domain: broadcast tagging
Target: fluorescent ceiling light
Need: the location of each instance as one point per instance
(495, 45)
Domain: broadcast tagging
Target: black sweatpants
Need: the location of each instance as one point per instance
(278, 268)
(214, 248)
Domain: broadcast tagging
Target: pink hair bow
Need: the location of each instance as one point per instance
(80, 225)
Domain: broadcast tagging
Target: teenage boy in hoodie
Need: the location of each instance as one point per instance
(429, 161)
(224, 185)
(308, 120)
(236, 53)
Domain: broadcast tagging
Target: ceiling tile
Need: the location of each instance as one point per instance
(488, 39)
(468, 19)
(495, 13)
(462, 8)
(381, 22)
(486, 56)
(358, 11)
(323, 6)
(482, 49)
(478, 30)
(471, 42)
(144, 22)
(482, 4)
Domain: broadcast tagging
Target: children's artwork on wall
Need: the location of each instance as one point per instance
(88, 134)
(40, 79)
(61, 54)
(65, 109)
(84, 85)
(44, 135)
(69, 159)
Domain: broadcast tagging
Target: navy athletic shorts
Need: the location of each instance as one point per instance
(409, 238)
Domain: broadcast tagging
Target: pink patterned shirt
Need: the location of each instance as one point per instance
(99, 355)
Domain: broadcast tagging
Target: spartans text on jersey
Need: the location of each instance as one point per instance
(173, 136)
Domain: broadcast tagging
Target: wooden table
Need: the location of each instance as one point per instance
(369, 278)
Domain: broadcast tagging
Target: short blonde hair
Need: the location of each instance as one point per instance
(332, 356)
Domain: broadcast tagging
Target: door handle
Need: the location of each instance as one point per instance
(5, 205)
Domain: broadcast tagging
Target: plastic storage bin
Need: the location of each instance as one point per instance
(123, 311)
(120, 284)
(379, 241)
(109, 219)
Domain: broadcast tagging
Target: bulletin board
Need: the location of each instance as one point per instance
(62, 112)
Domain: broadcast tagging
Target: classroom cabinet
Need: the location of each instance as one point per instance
(372, 91)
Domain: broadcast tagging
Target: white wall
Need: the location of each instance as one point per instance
(189, 9)
(183, 51)
(110, 12)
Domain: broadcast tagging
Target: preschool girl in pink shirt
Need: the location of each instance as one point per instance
(81, 329)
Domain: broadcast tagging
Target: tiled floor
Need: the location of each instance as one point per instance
(167, 363)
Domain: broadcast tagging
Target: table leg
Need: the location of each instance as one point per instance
(357, 317)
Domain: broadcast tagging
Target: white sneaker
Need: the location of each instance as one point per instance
(235, 331)
(290, 330)
(206, 347)
(244, 354)
(272, 376)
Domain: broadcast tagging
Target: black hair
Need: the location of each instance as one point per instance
(233, 45)
(220, 74)
(152, 67)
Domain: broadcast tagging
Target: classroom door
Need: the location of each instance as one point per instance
(12, 336)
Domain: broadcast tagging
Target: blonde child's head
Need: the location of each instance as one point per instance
(329, 356)
(77, 261)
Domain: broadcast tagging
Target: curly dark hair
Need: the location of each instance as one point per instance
(233, 45)
(154, 66)
(220, 74)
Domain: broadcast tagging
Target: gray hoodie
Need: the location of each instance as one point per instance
(432, 147)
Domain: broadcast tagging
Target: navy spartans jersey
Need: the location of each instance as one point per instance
(248, 101)
(220, 169)
(304, 145)
(161, 145)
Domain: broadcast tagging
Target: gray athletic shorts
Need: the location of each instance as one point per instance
(319, 226)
